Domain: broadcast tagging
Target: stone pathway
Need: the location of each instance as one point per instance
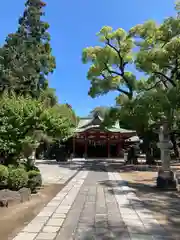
(139, 221)
(49, 221)
(94, 205)
(54, 173)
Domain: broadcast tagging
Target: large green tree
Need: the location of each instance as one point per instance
(157, 56)
(26, 58)
(109, 63)
(66, 111)
(25, 122)
(159, 52)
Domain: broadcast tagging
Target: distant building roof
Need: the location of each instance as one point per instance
(95, 122)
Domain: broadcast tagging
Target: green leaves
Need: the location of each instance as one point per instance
(25, 122)
(107, 71)
(154, 50)
(159, 50)
(26, 58)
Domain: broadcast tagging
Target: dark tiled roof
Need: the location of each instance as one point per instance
(95, 122)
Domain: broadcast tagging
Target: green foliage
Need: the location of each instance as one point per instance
(18, 118)
(159, 51)
(66, 111)
(25, 122)
(101, 111)
(55, 124)
(18, 178)
(177, 7)
(29, 109)
(48, 97)
(108, 71)
(28, 166)
(157, 56)
(34, 180)
(4, 174)
(26, 59)
(11, 167)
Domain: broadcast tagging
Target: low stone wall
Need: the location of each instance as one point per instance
(9, 198)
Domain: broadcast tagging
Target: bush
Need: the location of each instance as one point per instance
(11, 167)
(35, 180)
(32, 167)
(4, 173)
(28, 166)
(18, 178)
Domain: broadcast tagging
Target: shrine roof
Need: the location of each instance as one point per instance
(95, 122)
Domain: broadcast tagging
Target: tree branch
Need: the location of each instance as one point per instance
(118, 88)
(121, 66)
(123, 91)
(111, 71)
(155, 85)
(166, 77)
(175, 70)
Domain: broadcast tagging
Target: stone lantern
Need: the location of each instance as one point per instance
(165, 177)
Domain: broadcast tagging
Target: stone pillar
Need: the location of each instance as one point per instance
(165, 175)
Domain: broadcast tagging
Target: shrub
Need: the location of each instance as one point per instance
(4, 173)
(30, 167)
(11, 167)
(35, 180)
(18, 178)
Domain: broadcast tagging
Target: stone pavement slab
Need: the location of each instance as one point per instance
(48, 222)
(95, 213)
(95, 204)
(140, 221)
(53, 173)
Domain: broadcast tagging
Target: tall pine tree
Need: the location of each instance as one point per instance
(26, 58)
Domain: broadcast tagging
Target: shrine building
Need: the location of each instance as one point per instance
(91, 140)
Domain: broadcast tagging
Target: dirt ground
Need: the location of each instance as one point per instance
(14, 218)
(163, 204)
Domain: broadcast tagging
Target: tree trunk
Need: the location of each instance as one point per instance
(149, 157)
(175, 147)
(148, 151)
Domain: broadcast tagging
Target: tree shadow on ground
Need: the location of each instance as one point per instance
(99, 165)
(102, 231)
(163, 204)
(128, 230)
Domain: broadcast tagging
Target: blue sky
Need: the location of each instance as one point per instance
(74, 25)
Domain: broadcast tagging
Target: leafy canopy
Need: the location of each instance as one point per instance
(26, 58)
(159, 52)
(26, 122)
(108, 70)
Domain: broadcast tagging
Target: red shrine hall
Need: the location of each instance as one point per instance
(92, 141)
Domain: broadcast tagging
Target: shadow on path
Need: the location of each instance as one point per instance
(89, 164)
(163, 204)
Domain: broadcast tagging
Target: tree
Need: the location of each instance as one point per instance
(26, 57)
(49, 97)
(101, 111)
(108, 70)
(67, 112)
(159, 52)
(159, 58)
(25, 122)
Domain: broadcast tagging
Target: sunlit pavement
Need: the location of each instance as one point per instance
(95, 204)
